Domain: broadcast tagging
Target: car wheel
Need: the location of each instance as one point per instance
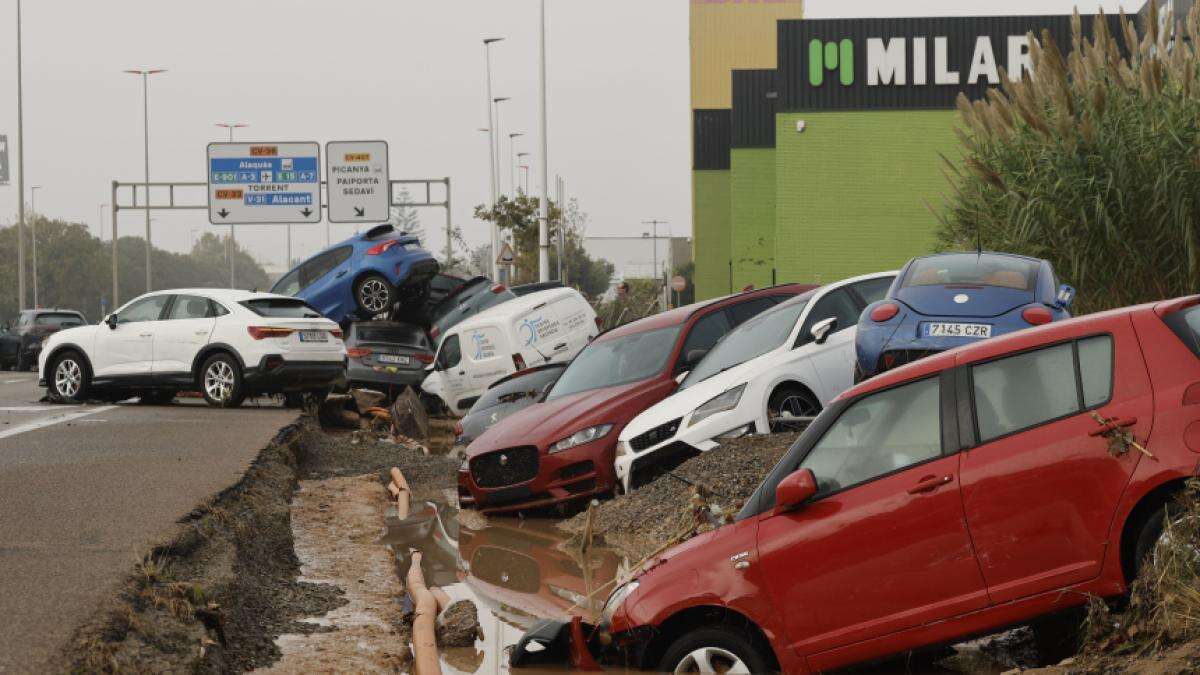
(374, 295)
(69, 377)
(1148, 537)
(221, 381)
(713, 650)
(790, 401)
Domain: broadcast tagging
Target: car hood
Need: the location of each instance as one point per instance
(685, 401)
(544, 423)
(981, 301)
(74, 333)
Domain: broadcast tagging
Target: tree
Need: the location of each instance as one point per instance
(1091, 163)
(404, 217)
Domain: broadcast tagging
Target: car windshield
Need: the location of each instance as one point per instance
(58, 319)
(281, 308)
(972, 269)
(529, 385)
(621, 360)
(752, 339)
(473, 299)
(411, 336)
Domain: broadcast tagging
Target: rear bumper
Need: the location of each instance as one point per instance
(577, 473)
(273, 374)
(368, 375)
(419, 271)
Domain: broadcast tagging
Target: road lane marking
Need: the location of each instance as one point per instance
(51, 421)
(32, 408)
(30, 379)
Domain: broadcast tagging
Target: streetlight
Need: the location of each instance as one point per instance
(544, 211)
(520, 158)
(233, 228)
(487, 57)
(512, 148)
(654, 224)
(102, 207)
(497, 101)
(146, 73)
(21, 175)
(33, 231)
(525, 177)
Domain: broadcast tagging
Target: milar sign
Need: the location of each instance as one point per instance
(845, 64)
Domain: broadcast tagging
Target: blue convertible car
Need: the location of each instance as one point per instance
(363, 276)
(942, 301)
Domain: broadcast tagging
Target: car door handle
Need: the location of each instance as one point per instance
(1112, 425)
(560, 346)
(145, 334)
(341, 274)
(929, 484)
(201, 332)
(462, 372)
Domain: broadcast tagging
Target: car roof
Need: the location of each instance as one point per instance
(227, 294)
(679, 315)
(523, 303)
(997, 253)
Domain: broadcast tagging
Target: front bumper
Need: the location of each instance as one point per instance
(580, 472)
(274, 374)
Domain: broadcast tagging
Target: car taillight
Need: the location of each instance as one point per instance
(382, 247)
(458, 429)
(424, 357)
(434, 332)
(499, 288)
(263, 332)
(1036, 316)
(885, 312)
(358, 352)
(337, 333)
(518, 362)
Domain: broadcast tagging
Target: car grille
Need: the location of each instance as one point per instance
(655, 436)
(505, 467)
(895, 358)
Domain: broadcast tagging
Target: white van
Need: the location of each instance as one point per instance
(543, 327)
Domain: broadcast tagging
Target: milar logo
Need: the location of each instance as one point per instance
(887, 61)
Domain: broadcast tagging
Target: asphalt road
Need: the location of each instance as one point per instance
(85, 490)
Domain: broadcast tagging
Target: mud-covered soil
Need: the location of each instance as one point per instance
(640, 522)
(219, 593)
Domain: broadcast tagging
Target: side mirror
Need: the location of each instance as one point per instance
(822, 329)
(1066, 296)
(794, 490)
(694, 357)
(111, 320)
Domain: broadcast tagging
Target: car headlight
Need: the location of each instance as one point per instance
(717, 404)
(615, 599)
(583, 436)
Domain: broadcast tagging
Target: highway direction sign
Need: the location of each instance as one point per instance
(251, 183)
(357, 175)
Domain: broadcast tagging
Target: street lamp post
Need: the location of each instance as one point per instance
(654, 235)
(499, 148)
(101, 221)
(20, 175)
(491, 126)
(520, 158)
(512, 162)
(525, 177)
(146, 73)
(33, 235)
(232, 228)
(544, 210)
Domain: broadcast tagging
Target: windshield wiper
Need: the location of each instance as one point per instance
(735, 365)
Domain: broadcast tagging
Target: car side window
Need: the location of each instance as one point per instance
(190, 307)
(749, 309)
(873, 290)
(703, 335)
(217, 308)
(323, 264)
(879, 434)
(289, 284)
(1025, 390)
(146, 309)
(838, 305)
(451, 352)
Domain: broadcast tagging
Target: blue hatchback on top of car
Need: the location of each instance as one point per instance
(363, 276)
(942, 301)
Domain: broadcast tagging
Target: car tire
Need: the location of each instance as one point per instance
(68, 377)
(715, 646)
(373, 295)
(1148, 536)
(221, 381)
(796, 401)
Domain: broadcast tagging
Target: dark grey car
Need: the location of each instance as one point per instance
(508, 395)
(386, 355)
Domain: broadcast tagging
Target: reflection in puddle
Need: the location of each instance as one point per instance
(515, 570)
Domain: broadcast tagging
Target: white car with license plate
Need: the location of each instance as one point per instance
(227, 344)
(774, 370)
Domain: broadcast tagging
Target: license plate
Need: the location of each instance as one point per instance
(965, 330)
(314, 336)
(391, 358)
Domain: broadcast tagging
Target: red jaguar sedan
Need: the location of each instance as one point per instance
(984, 487)
(562, 448)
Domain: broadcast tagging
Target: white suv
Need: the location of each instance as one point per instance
(226, 343)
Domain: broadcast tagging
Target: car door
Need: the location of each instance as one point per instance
(883, 546)
(177, 340)
(1039, 487)
(701, 336)
(321, 279)
(450, 366)
(834, 359)
(127, 349)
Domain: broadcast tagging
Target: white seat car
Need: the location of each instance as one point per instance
(225, 343)
(787, 362)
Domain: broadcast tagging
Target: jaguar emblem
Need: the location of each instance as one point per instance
(503, 460)
(962, 298)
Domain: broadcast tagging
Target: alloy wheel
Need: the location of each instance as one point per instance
(711, 660)
(68, 378)
(218, 381)
(794, 406)
(374, 295)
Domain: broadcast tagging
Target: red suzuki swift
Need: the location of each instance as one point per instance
(563, 448)
(964, 493)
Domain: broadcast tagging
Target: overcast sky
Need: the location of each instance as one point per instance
(406, 71)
